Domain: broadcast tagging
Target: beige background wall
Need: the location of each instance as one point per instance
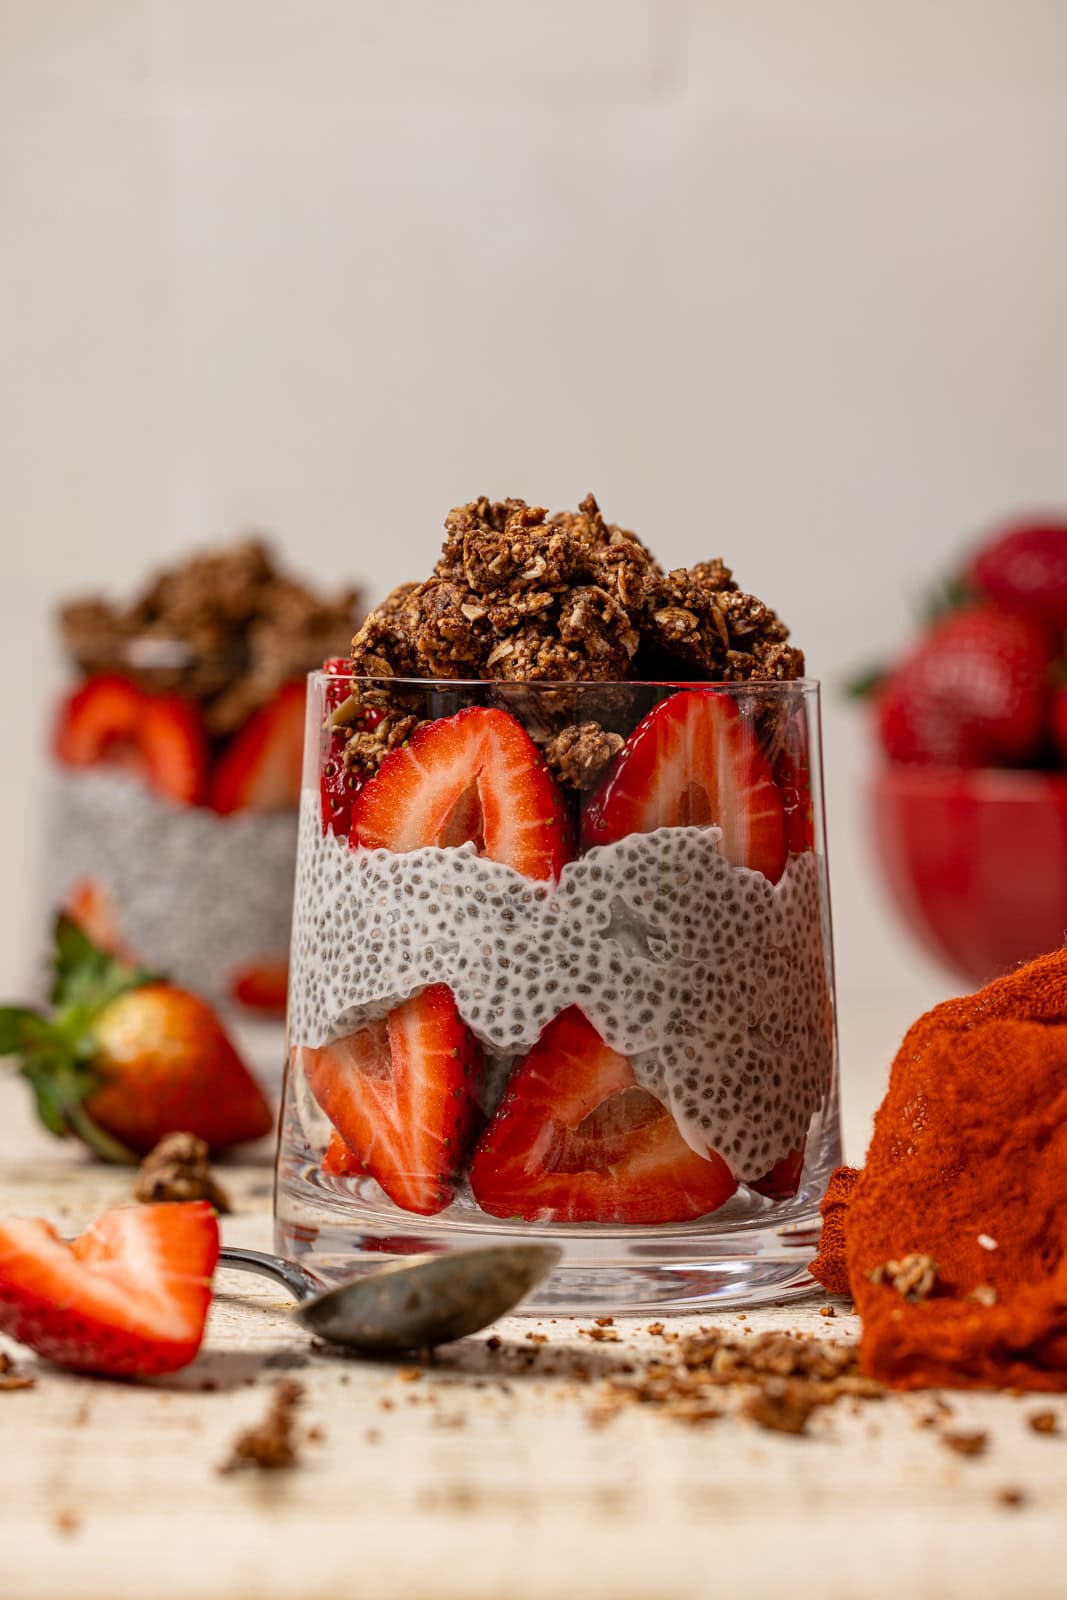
(780, 279)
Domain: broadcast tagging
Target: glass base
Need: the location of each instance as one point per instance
(753, 1252)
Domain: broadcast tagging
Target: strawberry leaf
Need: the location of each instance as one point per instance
(862, 685)
(86, 978)
(19, 1025)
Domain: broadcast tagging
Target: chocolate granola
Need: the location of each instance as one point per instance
(225, 627)
(520, 595)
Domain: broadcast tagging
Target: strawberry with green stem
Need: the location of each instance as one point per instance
(122, 1058)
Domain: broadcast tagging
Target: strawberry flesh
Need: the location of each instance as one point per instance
(260, 770)
(110, 722)
(473, 776)
(401, 1093)
(339, 1161)
(1024, 569)
(576, 1139)
(165, 1063)
(783, 1180)
(694, 760)
(128, 1298)
(974, 692)
(262, 986)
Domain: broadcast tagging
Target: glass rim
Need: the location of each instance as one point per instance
(731, 685)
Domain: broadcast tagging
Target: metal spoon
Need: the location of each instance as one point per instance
(412, 1304)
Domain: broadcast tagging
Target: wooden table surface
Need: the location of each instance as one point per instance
(485, 1479)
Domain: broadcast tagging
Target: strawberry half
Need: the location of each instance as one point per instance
(401, 1095)
(128, 1298)
(576, 1139)
(110, 722)
(260, 770)
(694, 760)
(474, 776)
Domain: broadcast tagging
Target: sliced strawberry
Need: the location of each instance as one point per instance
(792, 774)
(339, 1160)
(694, 760)
(783, 1180)
(338, 784)
(129, 1297)
(261, 768)
(93, 908)
(338, 688)
(401, 1093)
(576, 1139)
(474, 776)
(110, 722)
(262, 986)
(174, 748)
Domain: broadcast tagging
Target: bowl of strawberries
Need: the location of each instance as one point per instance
(969, 801)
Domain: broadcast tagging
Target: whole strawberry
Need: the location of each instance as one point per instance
(1057, 722)
(973, 693)
(123, 1059)
(1025, 569)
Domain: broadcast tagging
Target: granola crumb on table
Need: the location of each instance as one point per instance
(269, 1445)
(179, 1168)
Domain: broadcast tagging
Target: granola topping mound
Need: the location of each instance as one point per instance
(521, 595)
(226, 627)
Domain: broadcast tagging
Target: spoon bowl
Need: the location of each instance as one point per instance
(414, 1304)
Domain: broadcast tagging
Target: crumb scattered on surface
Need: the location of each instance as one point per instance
(966, 1442)
(67, 1521)
(179, 1168)
(983, 1294)
(269, 1445)
(1043, 1422)
(781, 1378)
(827, 1311)
(1011, 1496)
(780, 1405)
(913, 1277)
(10, 1378)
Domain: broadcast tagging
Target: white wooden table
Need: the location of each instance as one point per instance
(460, 1487)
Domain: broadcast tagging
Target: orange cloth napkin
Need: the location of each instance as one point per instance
(968, 1165)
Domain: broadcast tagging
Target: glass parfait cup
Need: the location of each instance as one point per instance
(170, 843)
(561, 969)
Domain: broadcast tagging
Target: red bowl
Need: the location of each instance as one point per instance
(976, 861)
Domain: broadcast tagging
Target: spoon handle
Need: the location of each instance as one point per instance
(299, 1283)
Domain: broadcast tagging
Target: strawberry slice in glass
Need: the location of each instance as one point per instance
(695, 761)
(474, 776)
(576, 1139)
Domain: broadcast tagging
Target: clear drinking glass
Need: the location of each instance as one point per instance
(600, 1014)
(151, 839)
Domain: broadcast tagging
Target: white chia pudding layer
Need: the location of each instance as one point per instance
(197, 896)
(712, 980)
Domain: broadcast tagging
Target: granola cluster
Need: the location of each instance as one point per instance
(226, 627)
(520, 595)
